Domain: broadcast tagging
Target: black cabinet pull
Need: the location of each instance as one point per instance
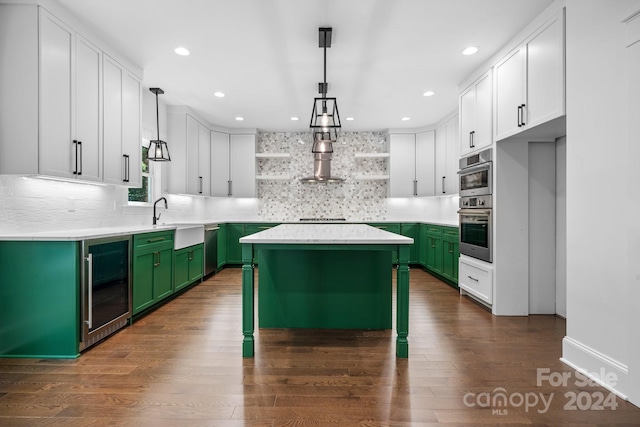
(75, 170)
(80, 145)
(472, 137)
(519, 115)
(522, 106)
(443, 189)
(200, 184)
(126, 168)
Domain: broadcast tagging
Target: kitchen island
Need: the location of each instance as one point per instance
(327, 276)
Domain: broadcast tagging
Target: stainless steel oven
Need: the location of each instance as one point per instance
(476, 227)
(106, 288)
(476, 174)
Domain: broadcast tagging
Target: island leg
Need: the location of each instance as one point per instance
(402, 301)
(247, 300)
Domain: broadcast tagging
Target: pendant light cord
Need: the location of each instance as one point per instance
(157, 117)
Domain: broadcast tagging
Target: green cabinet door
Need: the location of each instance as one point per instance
(422, 243)
(143, 281)
(222, 245)
(434, 248)
(234, 249)
(196, 263)
(163, 274)
(450, 253)
(181, 268)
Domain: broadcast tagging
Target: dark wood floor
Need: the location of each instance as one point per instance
(181, 366)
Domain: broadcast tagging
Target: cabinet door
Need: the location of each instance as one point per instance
(467, 109)
(196, 263)
(423, 241)
(131, 157)
(434, 249)
(57, 154)
(142, 289)
(545, 73)
(412, 230)
(450, 254)
(112, 121)
(163, 274)
(204, 160)
(193, 175)
(453, 154)
(424, 161)
(222, 246)
(242, 165)
(402, 161)
(483, 136)
(219, 164)
(181, 265)
(88, 109)
(509, 93)
(441, 160)
(234, 248)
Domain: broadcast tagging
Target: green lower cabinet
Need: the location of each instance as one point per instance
(152, 269)
(434, 248)
(40, 299)
(450, 254)
(413, 231)
(222, 245)
(234, 249)
(422, 245)
(188, 266)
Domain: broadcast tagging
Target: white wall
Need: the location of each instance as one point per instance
(561, 227)
(597, 193)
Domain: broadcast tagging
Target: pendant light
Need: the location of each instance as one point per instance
(325, 120)
(158, 150)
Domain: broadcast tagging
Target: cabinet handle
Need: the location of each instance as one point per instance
(519, 115)
(75, 143)
(156, 239)
(473, 278)
(156, 261)
(415, 187)
(190, 256)
(200, 184)
(522, 106)
(126, 168)
(443, 189)
(229, 188)
(80, 169)
(90, 290)
(472, 138)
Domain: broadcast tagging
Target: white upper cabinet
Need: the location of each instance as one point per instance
(529, 81)
(122, 129)
(447, 155)
(55, 78)
(233, 165)
(190, 148)
(220, 185)
(476, 116)
(411, 164)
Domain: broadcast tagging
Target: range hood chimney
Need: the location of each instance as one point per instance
(322, 154)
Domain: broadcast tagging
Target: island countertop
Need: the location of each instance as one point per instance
(353, 234)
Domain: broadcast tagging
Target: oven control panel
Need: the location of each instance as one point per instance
(476, 202)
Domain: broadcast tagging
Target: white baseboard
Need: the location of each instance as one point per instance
(594, 364)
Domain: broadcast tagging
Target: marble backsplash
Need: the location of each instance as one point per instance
(354, 199)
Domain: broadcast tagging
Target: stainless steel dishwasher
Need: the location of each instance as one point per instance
(210, 248)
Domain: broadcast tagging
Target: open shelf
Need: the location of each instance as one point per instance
(273, 155)
(371, 155)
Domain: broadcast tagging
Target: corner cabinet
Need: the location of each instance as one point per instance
(438, 251)
(476, 114)
(529, 81)
(188, 266)
(233, 164)
(53, 95)
(152, 269)
(411, 160)
(190, 166)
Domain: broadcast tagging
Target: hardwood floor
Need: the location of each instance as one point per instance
(181, 366)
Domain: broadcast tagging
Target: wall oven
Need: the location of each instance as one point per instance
(476, 227)
(475, 174)
(105, 288)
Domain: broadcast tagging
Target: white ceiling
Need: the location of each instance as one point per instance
(264, 54)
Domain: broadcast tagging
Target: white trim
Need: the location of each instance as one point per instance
(587, 361)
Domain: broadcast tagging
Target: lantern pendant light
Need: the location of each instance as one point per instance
(325, 120)
(158, 150)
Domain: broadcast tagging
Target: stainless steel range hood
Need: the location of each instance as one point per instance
(322, 154)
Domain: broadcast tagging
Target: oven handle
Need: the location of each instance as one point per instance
(475, 168)
(475, 211)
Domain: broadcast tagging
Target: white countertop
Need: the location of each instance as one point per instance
(85, 233)
(326, 234)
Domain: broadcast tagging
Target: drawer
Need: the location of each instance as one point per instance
(450, 231)
(150, 240)
(476, 280)
(434, 229)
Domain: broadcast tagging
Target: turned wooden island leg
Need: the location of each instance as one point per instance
(248, 314)
(402, 302)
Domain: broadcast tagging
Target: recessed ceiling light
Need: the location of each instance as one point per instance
(219, 94)
(349, 119)
(404, 119)
(295, 118)
(470, 50)
(429, 93)
(181, 51)
(239, 118)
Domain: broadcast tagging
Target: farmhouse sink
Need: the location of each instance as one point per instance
(188, 235)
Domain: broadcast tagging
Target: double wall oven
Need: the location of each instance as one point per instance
(476, 205)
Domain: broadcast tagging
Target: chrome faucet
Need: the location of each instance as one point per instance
(156, 218)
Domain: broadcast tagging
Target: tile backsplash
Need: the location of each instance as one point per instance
(354, 199)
